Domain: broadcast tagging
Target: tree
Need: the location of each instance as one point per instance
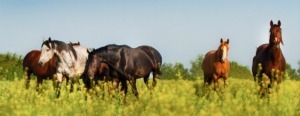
(177, 71)
(239, 71)
(196, 69)
(291, 72)
(168, 72)
(298, 69)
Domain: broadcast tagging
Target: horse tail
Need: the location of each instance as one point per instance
(159, 68)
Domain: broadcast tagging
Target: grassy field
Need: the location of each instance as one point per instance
(170, 97)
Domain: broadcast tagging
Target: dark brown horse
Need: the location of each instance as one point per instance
(124, 63)
(216, 65)
(270, 57)
(96, 71)
(31, 66)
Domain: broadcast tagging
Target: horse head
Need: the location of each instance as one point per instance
(275, 34)
(222, 51)
(47, 52)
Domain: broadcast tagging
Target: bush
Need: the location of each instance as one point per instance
(11, 66)
(239, 71)
(177, 71)
(292, 72)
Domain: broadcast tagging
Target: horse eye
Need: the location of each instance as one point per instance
(48, 49)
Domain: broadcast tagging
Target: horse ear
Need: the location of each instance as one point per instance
(279, 23)
(227, 41)
(271, 23)
(49, 39)
(89, 50)
(221, 40)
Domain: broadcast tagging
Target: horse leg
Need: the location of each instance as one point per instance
(146, 78)
(74, 81)
(39, 82)
(206, 80)
(27, 80)
(124, 88)
(58, 86)
(134, 89)
(54, 82)
(155, 75)
(224, 82)
(216, 82)
(116, 82)
(262, 85)
(224, 79)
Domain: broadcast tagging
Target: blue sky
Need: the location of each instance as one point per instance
(180, 29)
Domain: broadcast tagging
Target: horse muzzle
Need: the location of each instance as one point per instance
(41, 64)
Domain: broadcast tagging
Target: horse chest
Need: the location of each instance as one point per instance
(220, 68)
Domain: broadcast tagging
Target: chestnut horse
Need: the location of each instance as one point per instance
(216, 65)
(31, 66)
(270, 57)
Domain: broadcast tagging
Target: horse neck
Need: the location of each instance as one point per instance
(65, 57)
(274, 52)
(217, 55)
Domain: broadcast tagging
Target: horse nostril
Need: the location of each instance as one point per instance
(40, 63)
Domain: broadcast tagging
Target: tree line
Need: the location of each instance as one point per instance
(178, 71)
(11, 68)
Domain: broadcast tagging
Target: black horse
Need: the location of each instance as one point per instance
(121, 63)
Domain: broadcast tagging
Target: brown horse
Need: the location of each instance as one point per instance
(74, 44)
(30, 65)
(216, 65)
(270, 57)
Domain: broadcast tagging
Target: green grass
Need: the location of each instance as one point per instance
(170, 97)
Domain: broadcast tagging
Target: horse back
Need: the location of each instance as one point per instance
(136, 62)
(153, 54)
(208, 63)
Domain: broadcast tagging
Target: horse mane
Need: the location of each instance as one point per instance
(60, 46)
(217, 53)
(104, 51)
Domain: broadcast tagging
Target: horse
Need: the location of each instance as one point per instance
(70, 59)
(124, 63)
(270, 57)
(74, 44)
(216, 65)
(31, 66)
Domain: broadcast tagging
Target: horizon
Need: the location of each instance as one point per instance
(179, 30)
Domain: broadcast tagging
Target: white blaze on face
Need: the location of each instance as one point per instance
(276, 40)
(46, 54)
(224, 56)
